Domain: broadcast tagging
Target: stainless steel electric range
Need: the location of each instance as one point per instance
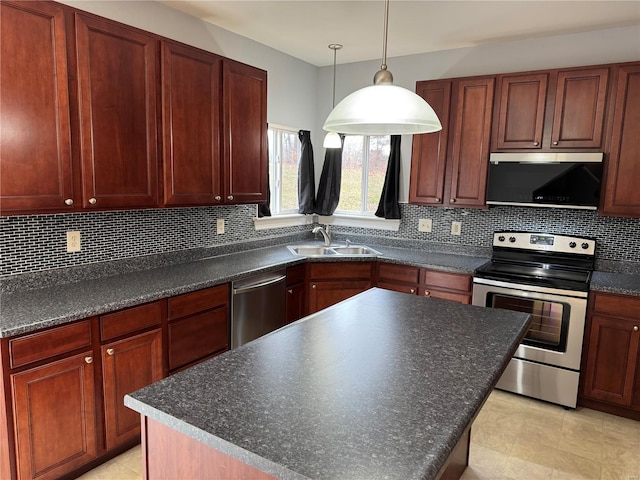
(547, 276)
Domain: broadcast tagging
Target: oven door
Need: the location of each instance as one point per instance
(557, 329)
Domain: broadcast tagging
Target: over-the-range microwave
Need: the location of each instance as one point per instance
(564, 180)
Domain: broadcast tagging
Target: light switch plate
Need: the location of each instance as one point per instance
(73, 241)
(220, 226)
(425, 225)
(456, 228)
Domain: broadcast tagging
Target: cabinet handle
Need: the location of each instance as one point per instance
(290, 291)
(68, 201)
(635, 328)
(438, 200)
(452, 200)
(93, 201)
(230, 197)
(427, 293)
(413, 290)
(88, 359)
(218, 198)
(313, 286)
(110, 351)
(535, 144)
(555, 143)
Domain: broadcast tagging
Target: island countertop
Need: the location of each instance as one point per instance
(382, 385)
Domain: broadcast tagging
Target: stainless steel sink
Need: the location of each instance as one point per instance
(333, 250)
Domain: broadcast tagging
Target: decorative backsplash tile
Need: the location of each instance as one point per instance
(36, 243)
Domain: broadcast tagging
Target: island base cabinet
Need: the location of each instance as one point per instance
(54, 416)
(128, 365)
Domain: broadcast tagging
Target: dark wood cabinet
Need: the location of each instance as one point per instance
(611, 358)
(128, 365)
(468, 130)
(445, 285)
(117, 109)
(429, 151)
(296, 306)
(400, 278)
(244, 131)
(330, 283)
(198, 326)
(191, 110)
(551, 110)
(621, 193)
(35, 138)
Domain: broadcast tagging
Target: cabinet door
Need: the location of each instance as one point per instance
(429, 151)
(54, 410)
(295, 307)
(622, 195)
(611, 362)
(471, 135)
(117, 91)
(245, 133)
(35, 140)
(578, 116)
(128, 365)
(520, 113)
(325, 294)
(191, 110)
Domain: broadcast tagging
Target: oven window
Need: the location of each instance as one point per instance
(550, 321)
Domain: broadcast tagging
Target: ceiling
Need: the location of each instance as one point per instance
(304, 28)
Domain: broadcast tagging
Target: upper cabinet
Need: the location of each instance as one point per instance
(117, 109)
(35, 136)
(621, 193)
(86, 102)
(245, 160)
(551, 110)
(449, 168)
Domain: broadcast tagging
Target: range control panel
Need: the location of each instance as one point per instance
(545, 241)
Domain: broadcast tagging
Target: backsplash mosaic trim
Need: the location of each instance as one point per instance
(37, 243)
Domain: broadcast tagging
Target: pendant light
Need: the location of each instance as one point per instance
(332, 139)
(383, 108)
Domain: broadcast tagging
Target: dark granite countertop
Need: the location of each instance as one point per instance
(29, 310)
(382, 385)
(621, 283)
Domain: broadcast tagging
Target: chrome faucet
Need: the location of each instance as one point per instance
(326, 233)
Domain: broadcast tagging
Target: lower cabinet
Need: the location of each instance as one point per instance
(296, 306)
(330, 283)
(400, 278)
(611, 355)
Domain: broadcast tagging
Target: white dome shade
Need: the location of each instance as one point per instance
(384, 109)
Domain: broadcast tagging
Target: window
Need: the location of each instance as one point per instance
(364, 165)
(284, 156)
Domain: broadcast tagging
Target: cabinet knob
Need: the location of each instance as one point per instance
(88, 359)
(438, 200)
(635, 328)
(68, 201)
(555, 143)
(290, 291)
(218, 198)
(313, 286)
(413, 290)
(93, 201)
(452, 200)
(230, 197)
(427, 293)
(110, 351)
(535, 144)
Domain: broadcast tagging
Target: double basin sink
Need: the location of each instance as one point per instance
(332, 250)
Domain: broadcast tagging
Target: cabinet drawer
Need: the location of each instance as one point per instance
(295, 274)
(398, 287)
(198, 336)
(450, 281)
(41, 345)
(398, 273)
(619, 305)
(455, 297)
(130, 320)
(341, 271)
(194, 302)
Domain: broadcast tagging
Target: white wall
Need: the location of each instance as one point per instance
(604, 46)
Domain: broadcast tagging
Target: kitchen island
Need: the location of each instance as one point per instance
(383, 385)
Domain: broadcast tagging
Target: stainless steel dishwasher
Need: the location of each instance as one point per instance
(258, 306)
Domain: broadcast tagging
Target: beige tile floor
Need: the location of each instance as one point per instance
(513, 438)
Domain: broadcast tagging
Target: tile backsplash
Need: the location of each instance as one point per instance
(38, 242)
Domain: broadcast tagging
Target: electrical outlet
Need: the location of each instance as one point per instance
(220, 226)
(456, 228)
(73, 241)
(425, 224)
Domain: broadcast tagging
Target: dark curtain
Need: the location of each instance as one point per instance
(330, 179)
(388, 206)
(264, 209)
(306, 175)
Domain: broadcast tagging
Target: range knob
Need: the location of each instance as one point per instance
(501, 238)
(512, 239)
(572, 244)
(585, 245)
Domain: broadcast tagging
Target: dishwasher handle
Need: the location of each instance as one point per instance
(255, 286)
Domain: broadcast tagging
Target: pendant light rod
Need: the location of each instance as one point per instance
(335, 47)
(385, 35)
